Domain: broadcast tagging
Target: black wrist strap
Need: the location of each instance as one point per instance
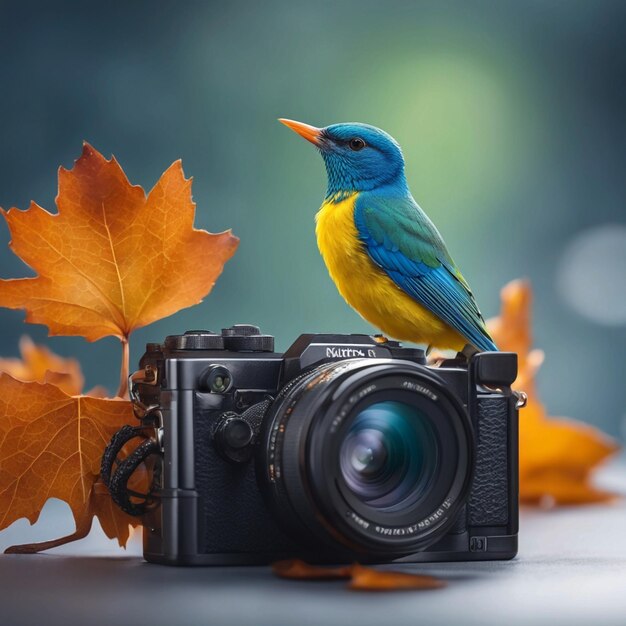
(117, 481)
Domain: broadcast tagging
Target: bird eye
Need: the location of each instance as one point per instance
(356, 144)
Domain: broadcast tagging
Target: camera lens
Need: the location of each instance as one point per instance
(366, 457)
(389, 456)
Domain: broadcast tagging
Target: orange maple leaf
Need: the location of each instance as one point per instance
(51, 446)
(112, 259)
(556, 455)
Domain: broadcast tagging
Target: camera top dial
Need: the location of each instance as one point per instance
(247, 338)
(195, 340)
(237, 338)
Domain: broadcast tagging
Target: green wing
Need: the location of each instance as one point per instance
(400, 238)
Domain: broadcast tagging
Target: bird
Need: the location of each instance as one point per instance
(384, 254)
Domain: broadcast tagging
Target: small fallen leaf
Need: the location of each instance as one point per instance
(39, 364)
(296, 569)
(51, 445)
(361, 578)
(370, 579)
(557, 456)
(98, 392)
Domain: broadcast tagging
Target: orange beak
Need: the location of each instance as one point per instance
(310, 133)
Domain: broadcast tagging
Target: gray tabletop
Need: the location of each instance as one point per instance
(571, 570)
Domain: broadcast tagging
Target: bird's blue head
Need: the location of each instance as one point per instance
(358, 157)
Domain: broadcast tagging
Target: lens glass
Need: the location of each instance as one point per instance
(389, 456)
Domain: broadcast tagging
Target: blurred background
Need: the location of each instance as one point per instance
(511, 116)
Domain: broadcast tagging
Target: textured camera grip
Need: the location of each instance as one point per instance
(489, 498)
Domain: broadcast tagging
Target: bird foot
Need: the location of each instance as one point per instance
(469, 351)
(380, 339)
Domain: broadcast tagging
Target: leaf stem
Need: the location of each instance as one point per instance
(81, 532)
(122, 391)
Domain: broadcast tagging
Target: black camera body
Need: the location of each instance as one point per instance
(344, 448)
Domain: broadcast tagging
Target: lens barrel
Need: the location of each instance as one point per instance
(370, 457)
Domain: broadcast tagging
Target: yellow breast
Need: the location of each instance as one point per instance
(368, 289)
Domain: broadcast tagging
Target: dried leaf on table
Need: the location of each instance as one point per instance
(301, 570)
(370, 579)
(360, 578)
(557, 455)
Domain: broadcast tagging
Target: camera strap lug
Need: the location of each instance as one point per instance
(149, 375)
(521, 399)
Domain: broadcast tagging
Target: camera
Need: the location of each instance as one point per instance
(344, 448)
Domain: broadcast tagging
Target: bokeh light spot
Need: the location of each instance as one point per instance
(592, 273)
